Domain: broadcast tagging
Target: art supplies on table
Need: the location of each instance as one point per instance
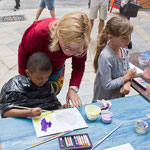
(104, 104)
(58, 121)
(141, 82)
(141, 127)
(92, 112)
(107, 136)
(106, 116)
(75, 142)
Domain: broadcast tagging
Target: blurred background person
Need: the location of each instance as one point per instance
(50, 6)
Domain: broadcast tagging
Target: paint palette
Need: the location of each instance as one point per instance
(75, 142)
(141, 82)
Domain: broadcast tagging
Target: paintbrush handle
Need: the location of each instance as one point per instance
(48, 139)
(106, 136)
(22, 107)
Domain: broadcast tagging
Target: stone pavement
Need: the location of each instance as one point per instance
(11, 34)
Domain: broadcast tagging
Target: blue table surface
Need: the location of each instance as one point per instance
(19, 133)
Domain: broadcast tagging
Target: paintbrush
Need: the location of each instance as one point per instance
(23, 107)
(106, 136)
(48, 139)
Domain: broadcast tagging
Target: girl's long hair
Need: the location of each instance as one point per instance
(116, 26)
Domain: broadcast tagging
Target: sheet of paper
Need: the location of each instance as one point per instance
(139, 71)
(127, 146)
(58, 121)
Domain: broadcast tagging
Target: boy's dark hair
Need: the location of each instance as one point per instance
(39, 61)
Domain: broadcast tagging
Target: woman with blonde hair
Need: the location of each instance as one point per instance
(59, 39)
(111, 60)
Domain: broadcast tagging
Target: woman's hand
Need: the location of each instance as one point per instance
(73, 96)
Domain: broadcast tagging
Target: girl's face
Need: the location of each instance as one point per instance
(39, 78)
(121, 41)
(77, 50)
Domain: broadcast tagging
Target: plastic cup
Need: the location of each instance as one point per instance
(141, 127)
(106, 116)
(92, 112)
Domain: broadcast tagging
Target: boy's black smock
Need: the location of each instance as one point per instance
(22, 92)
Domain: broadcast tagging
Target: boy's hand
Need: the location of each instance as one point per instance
(125, 89)
(34, 112)
(64, 106)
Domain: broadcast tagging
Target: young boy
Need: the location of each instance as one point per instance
(33, 91)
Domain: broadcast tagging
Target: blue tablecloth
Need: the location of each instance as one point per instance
(19, 133)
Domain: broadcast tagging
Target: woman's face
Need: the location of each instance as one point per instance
(77, 50)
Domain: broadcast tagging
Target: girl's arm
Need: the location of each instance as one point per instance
(125, 89)
(23, 112)
(106, 70)
(131, 73)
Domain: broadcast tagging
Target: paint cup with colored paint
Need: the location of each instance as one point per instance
(106, 116)
(92, 112)
(141, 127)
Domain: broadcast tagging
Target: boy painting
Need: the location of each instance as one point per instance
(32, 91)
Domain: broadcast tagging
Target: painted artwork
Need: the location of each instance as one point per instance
(58, 121)
(147, 55)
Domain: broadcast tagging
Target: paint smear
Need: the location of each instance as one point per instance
(67, 118)
(45, 125)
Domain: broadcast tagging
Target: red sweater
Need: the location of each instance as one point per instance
(37, 39)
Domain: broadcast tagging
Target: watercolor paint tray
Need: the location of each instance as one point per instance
(75, 142)
(141, 82)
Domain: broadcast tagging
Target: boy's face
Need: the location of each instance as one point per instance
(39, 78)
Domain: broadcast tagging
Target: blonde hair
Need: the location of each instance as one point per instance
(116, 26)
(71, 29)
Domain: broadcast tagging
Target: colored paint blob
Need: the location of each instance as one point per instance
(45, 125)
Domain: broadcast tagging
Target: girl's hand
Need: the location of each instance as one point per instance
(73, 96)
(34, 112)
(132, 73)
(148, 90)
(125, 89)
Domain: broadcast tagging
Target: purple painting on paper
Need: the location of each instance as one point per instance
(45, 125)
(68, 118)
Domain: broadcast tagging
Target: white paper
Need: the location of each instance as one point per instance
(58, 121)
(127, 146)
(139, 71)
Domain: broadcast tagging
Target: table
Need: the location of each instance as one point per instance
(19, 133)
(133, 58)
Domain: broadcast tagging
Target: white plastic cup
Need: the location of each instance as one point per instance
(92, 112)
